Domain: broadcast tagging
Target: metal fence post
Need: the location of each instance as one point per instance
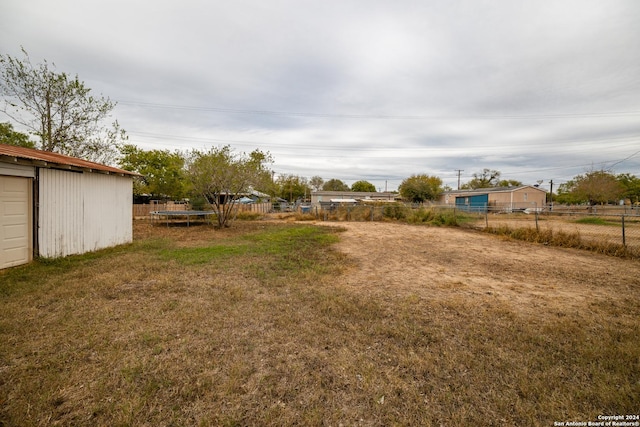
(624, 240)
(486, 216)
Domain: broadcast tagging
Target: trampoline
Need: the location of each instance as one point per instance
(172, 216)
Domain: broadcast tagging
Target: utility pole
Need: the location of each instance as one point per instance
(551, 194)
(459, 170)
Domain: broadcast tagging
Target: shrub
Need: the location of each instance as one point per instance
(563, 239)
(394, 211)
(421, 215)
(299, 216)
(432, 216)
(360, 213)
(199, 203)
(448, 218)
(249, 216)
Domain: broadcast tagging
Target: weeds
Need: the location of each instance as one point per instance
(562, 239)
(252, 326)
(436, 217)
(596, 221)
(397, 212)
(249, 216)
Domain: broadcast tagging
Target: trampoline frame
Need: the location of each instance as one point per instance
(156, 216)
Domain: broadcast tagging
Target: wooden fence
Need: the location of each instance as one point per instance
(143, 210)
(255, 207)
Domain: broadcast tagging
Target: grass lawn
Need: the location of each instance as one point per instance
(251, 326)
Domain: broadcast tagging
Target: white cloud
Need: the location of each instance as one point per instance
(354, 90)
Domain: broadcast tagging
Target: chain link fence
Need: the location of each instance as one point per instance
(607, 227)
(593, 225)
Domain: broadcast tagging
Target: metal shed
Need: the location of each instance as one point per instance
(473, 203)
(53, 205)
(506, 199)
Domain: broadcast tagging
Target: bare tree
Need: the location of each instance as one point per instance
(485, 179)
(316, 182)
(59, 110)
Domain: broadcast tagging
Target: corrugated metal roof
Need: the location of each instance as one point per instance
(492, 190)
(344, 201)
(52, 159)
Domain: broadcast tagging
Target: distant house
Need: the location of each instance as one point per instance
(257, 196)
(53, 205)
(497, 198)
(320, 197)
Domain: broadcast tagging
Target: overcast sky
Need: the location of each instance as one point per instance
(361, 89)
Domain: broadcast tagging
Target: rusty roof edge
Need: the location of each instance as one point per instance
(51, 159)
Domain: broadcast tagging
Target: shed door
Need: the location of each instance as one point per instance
(15, 221)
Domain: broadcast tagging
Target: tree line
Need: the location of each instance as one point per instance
(165, 173)
(66, 117)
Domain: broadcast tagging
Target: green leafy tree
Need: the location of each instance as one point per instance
(485, 179)
(292, 187)
(593, 188)
(316, 182)
(221, 176)
(364, 186)
(335, 185)
(10, 137)
(59, 110)
(419, 188)
(163, 173)
(631, 185)
(566, 195)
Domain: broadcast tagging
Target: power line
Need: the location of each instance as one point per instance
(362, 154)
(626, 158)
(370, 146)
(380, 116)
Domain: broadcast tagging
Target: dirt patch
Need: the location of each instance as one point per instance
(407, 325)
(400, 260)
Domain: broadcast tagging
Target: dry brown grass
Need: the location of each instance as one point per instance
(253, 326)
(565, 239)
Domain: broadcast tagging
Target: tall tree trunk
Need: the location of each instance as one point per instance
(49, 137)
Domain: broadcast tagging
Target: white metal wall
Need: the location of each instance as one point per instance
(108, 212)
(82, 212)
